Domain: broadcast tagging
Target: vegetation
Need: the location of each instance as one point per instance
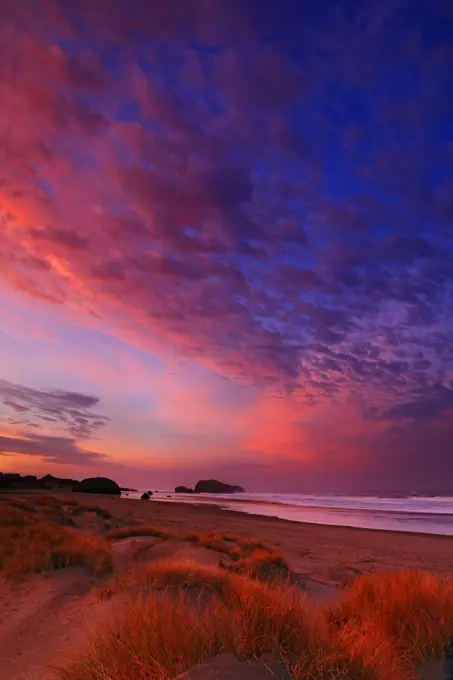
(32, 539)
(380, 628)
(241, 554)
(184, 573)
(137, 530)
(179, 613)
(160, 634)
(414, 609)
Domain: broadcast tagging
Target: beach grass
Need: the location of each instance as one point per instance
(412, 608)
(158, 635)
(178, 613)
(138, 530)
(245, 554)
(168, 572)
(31, 542)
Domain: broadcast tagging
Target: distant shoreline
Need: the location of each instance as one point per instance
(411, 515)
(215, 507)
(325, 541)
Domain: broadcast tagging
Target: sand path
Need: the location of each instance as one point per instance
(44, 620)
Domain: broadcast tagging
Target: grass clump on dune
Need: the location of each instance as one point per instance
(235, 546)
(243, 555)
(137, 530)
(260, 563)
(158, 637)
(413, 609)
(247, 555)
(154, 638)
(31, 542)
(167, 572)
(381, 628)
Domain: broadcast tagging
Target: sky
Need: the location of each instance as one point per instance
(226, 242)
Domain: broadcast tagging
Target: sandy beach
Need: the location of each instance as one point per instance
(48, 617)
(322, 554)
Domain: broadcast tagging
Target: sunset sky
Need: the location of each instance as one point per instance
(227, 242)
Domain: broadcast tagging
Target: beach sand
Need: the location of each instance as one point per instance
(46, 617)
(324, 555)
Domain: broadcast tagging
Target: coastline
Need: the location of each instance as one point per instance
(218, 505)
(320, 553)
(63, 606)
(421, 516)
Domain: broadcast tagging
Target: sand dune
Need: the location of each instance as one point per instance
(49, 617)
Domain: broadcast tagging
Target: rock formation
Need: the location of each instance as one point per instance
(99, 485)
(214, 486)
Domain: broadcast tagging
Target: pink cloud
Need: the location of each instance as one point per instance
(181, 199)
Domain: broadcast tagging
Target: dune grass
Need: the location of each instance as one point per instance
(167, 572)
(234, 545)
(260, 563)
(378, 631)
(154, 638)
(138, 530)
(412, 608)
(182, 612)
(159, 636)
(30, 541)
(244, 554)
(78, 509)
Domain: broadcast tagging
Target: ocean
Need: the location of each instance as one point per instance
(428, 515)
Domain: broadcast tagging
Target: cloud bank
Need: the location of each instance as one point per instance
(263, 187)
(69, 411)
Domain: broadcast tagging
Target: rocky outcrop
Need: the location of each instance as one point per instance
(183, 489)
(214, 486)
(99, 485)
(10, 480)
(145, 497)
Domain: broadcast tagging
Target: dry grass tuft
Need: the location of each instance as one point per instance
(158, 637)
(368, 645)
(138, 530)
(31, 542)
(248, 555)
(262, 563)
(212, 541)
(154, 638)
(76, 510)
(183, 573)
(17, 503)
(379, 629)
(413, 609)
(47, 501)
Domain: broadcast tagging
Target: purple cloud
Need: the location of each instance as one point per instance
(267, 190)
(69, 410)
(60, 450)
